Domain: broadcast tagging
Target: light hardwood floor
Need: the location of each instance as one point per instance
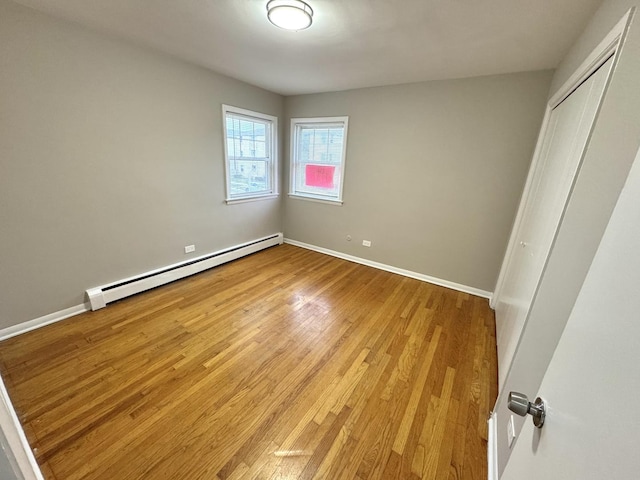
(285, 364)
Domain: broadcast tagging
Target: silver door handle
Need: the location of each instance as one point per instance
(520, 404)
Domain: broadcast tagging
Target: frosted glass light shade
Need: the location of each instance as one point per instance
(290, 14)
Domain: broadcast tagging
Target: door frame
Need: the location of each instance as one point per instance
(609, 47)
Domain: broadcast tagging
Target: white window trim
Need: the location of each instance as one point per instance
(273, 155)
(316, 199)
(293, 159)
(255, 198)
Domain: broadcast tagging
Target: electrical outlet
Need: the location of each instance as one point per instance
(366, 243)
(189, 249)
(348, 238)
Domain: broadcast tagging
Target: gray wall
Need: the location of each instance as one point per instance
(434, 173)
(111, 161)
(608, 158)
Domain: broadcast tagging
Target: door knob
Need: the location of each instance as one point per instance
(520, 404)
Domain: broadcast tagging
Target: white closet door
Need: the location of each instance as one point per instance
(565, 138)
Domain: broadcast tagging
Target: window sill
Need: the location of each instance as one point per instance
(335, 203)
(233, 201)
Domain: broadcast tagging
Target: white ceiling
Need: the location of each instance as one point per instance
(351, 44)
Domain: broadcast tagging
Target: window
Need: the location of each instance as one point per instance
(318, 147)
(250, 154)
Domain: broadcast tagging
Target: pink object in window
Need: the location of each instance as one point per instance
(319, 175)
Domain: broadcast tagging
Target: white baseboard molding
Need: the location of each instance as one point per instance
(27, 326)
(388, 268)
(492, 449)
(19, 451)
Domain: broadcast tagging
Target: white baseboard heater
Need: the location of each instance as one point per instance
(100, 296)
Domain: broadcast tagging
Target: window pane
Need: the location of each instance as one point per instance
(251, 138)
(237, 152)
(260, 131)
(246, 128)
(321, 145)
(247, 176)
(260, 149)
(230, 127)
(334, 149)
(306, 140)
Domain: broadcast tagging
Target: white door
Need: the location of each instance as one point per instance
(564, 140)
(592, 385)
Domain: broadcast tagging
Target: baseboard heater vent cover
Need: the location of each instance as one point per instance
(100, 296)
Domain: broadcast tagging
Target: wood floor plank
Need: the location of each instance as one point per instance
(408, 418)
(283, 364)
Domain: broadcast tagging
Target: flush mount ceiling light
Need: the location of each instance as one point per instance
(290, 14)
